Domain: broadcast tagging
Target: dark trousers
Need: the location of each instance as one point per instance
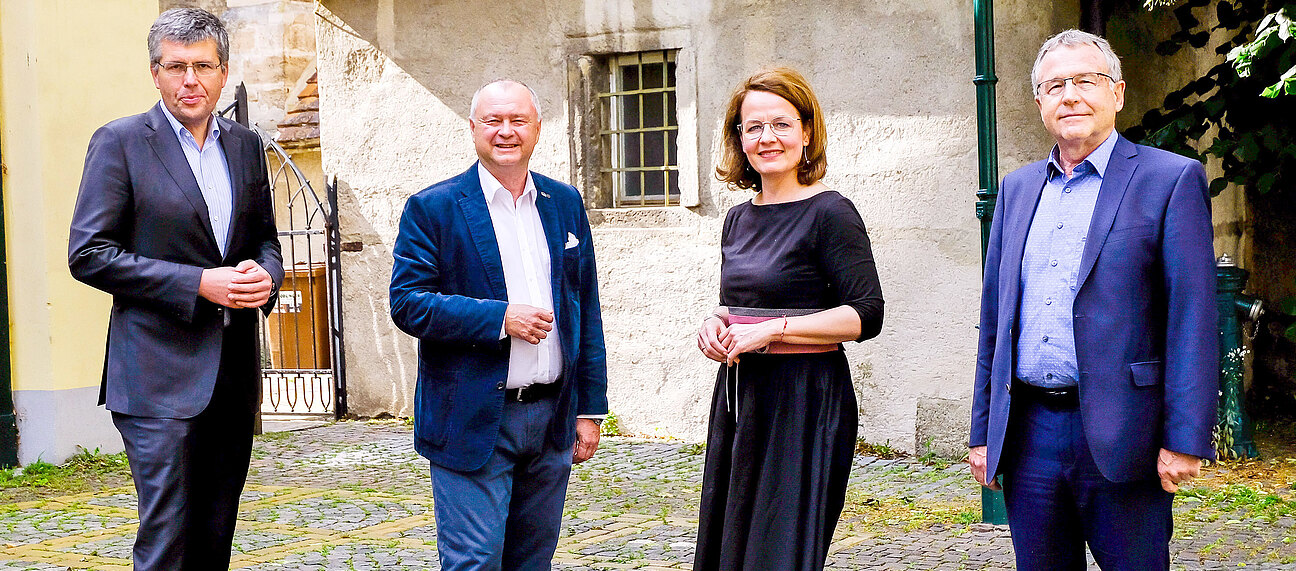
(1058, 501)
(506, 514)
(189, 473)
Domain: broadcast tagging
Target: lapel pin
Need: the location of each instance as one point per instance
(544, 194)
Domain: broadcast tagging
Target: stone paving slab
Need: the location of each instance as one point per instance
(355, 496)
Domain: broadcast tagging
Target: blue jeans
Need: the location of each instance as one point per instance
(1058, 501)
(506, 514)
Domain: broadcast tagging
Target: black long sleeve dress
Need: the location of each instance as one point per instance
(779, 455)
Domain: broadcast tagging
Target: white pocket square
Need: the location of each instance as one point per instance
(571, 241)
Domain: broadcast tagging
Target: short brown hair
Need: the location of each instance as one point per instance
(787, 83)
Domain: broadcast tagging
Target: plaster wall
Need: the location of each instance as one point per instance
(893, 78)
(58, 326)
(393, 120)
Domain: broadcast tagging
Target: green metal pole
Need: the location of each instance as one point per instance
(987, 136)
(992, 502)
(8, 422)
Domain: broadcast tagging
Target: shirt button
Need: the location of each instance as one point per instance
(1059, 225)
(499, 385)
(1049, 376)
(1048, 301)
(1053, 263)
(1046, 338)
(1067, 190)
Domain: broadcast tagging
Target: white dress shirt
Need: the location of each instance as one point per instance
(212, 173)
(524, 251)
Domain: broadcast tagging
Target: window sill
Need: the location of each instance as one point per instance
(643, 217)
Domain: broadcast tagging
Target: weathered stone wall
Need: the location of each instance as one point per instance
(271, 43)
(894, 79)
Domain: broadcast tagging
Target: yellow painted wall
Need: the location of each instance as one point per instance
(66, 68)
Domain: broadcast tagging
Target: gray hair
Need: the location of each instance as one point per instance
(472, 107)
(1076, 38)
(187, 26)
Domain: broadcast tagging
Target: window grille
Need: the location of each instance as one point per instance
(639, 130)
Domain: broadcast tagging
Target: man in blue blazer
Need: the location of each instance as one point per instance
(1097, 368)
(174, 219)
(494, 274)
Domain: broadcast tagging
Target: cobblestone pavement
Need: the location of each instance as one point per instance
(355, 496)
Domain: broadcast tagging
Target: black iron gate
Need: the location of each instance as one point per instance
(302, 366)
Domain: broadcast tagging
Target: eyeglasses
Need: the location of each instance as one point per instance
(1085, 82)
(497, 122)
(755, 129)
(200, 68)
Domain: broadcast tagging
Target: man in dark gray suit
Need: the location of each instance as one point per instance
(174, 220)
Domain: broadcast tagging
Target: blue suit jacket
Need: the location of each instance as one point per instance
(1144, 313)
(447, 289)
(141, 232)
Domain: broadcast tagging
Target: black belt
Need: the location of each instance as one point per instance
(1053, 397)
(532, 393)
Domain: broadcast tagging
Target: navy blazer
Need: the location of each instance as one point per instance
(447, 290)
(141, 232)
(1144, 313)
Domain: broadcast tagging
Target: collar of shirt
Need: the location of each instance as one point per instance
(492, 188)
(183, 133)
(1098, 159)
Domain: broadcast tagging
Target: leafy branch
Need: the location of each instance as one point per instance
(1240, 113)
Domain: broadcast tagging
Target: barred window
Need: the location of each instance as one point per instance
(639, 130)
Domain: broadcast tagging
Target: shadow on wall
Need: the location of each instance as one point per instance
(1273, 279)
(387, 353)
(450, 48)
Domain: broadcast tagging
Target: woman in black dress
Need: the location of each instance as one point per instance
(797, 279)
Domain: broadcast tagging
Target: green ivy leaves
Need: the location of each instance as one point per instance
(1239, 114)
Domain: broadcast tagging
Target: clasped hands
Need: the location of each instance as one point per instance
(246, 285)
(1173, 468)
(724, 342)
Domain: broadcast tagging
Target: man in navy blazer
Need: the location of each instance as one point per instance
(1097, 370)
(174, 219)
(494, 274)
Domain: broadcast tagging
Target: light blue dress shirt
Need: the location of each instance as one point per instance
(1046, 351)
(212, 173)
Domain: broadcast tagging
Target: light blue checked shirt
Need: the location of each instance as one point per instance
(212, 173)
(1046, 351)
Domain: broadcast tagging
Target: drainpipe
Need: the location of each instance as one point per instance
(992, 502)
(8, 421)
(987, 147)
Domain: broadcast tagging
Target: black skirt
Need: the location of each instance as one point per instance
(779, 451)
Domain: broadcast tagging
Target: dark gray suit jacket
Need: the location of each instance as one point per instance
(141, 232)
